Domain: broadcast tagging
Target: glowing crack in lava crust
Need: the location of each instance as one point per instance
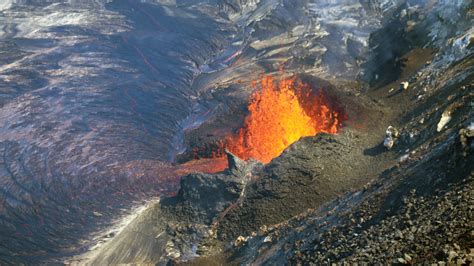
(281, 113)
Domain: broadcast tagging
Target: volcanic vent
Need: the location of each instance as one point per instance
(281, 112)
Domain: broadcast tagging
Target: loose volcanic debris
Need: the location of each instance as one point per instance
(116, 87)
(424, 230)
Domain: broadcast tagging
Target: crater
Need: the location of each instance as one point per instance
(280, 110)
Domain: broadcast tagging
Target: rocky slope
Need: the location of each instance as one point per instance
(327, 198)
(342, 198)
(417, 211)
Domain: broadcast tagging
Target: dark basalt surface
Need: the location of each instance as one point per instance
(416, 211)
(175, 227)
(98, 99)
(89, 91)
(203, 197)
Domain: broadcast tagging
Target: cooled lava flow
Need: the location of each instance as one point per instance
(280, 113)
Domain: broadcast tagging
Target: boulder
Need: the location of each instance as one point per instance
(202, 197)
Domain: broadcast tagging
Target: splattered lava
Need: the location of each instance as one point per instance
(280, 113)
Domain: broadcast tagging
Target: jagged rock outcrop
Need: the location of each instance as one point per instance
(95, 97)
(233, 8)
(202, 197)
(180, 225)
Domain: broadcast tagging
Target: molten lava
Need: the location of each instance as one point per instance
(279, 114)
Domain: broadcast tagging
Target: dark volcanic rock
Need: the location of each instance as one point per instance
(309, 173)
(89, 92)
(416, 211)
(95, 97)
(180, 226)
(236, 165)
(203, 196)
(240, 168)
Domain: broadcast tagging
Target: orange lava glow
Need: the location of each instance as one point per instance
(211, 165)
(281, 113)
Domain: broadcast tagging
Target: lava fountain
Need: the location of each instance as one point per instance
(280, 113)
